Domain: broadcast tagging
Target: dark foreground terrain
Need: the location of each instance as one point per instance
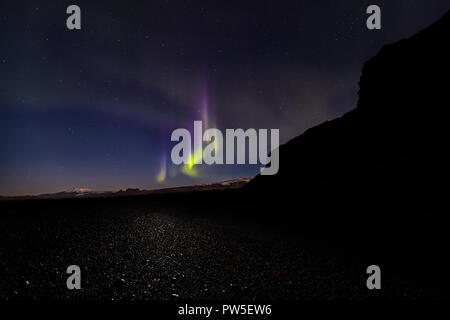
(138, 251)
(142, 248)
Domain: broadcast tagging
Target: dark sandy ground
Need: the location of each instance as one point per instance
(137, 250)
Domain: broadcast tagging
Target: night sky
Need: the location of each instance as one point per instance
(95, 107)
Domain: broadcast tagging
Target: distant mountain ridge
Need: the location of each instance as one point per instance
(89, 193)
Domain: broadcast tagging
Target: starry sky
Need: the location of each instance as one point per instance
(95, 107)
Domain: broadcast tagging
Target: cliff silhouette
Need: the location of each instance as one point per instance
(395, 134)
(370, 183)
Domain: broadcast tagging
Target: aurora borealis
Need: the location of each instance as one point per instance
(94, 108)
